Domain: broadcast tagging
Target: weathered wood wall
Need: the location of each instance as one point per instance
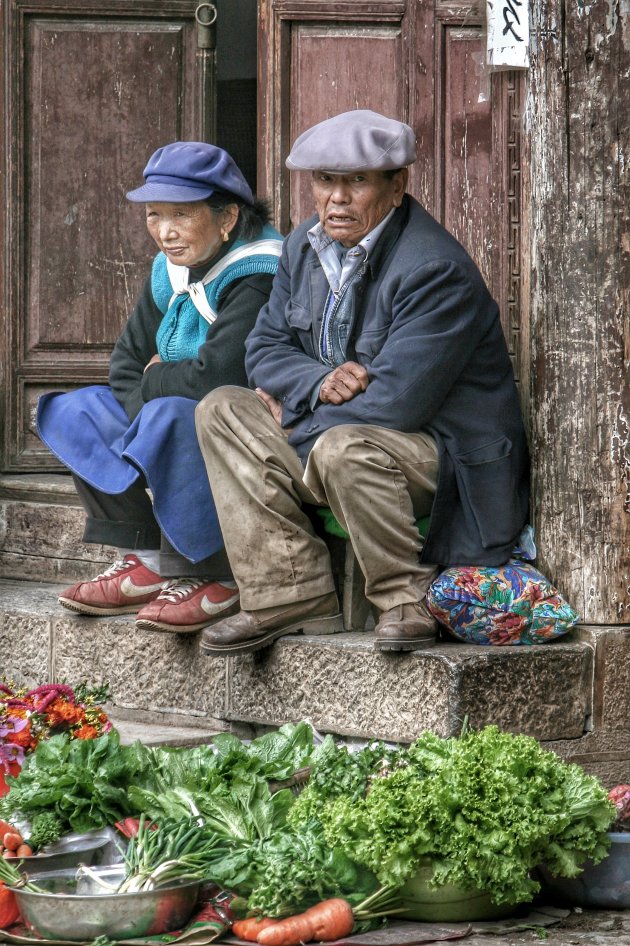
(579, 119)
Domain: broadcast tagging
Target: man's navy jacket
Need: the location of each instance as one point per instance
(427, 330)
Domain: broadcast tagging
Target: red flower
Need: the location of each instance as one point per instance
(60, 712)
(86, 732)
(22, 738)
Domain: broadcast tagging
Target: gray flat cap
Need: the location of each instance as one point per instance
(360, 140)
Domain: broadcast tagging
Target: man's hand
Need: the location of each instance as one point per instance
(344, 383)
(154, 361)
(275, 407)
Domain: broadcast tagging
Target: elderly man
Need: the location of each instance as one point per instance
(383, 389)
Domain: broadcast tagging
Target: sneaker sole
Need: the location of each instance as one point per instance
(323, 625)
(147, 625)
(99, 612)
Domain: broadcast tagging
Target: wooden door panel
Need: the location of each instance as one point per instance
(87, 247)
(314, 61)
(478, 184)
(332, 69)
(94, 89)
(466, 144)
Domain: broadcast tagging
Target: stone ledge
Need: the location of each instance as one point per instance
(345, 686)
(55, 488)
(341, 683)
(41, 529)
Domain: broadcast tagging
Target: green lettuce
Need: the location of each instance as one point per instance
(484, 809)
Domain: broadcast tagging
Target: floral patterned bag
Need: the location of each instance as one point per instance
(513, 604)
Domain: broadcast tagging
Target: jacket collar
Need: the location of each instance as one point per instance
(386, 241)
(389, 237)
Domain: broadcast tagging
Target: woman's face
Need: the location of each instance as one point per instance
(189, 234)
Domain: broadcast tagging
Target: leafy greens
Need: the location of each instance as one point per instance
(484, 809)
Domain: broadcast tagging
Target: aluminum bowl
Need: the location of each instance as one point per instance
(74, 908)
(69, 851)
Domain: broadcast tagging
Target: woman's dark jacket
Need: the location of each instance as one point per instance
(429, 333)
(219, 360)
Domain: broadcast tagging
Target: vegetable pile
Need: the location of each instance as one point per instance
(484, 809)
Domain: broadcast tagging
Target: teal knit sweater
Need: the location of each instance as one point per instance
(183, 329)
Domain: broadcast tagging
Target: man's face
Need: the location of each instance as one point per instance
(350, 205)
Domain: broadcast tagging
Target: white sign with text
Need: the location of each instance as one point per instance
(508, 33)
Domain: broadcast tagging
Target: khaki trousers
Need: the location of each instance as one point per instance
(376, 481)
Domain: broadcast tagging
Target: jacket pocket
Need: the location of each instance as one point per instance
(300, 320)
(298, 316)
(486, 482)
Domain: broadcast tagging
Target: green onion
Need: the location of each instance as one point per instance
(167, 853)
(11, 876)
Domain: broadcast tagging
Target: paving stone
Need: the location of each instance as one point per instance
(343, 685)
(145, 670)
(157, 733)
(25, 631)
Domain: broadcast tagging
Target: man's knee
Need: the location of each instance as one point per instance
(219, 403)
(338, 448)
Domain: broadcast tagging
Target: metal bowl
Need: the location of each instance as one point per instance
(75, 908)
(70, 851)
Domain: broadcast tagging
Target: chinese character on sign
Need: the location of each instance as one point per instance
(508, 33)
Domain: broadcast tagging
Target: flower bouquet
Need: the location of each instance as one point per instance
(28, 716)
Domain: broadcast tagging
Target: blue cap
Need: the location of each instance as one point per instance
(190, 170)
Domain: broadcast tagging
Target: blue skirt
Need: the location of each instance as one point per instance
(90, 433)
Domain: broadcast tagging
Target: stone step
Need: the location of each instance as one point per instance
(41, 525)
(341, 683)
(573, 695)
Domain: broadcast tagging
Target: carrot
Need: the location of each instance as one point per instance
(9, 911)
(328, 920)
(250, 928)
(331, 919)
(24, 850)
(12, 840)
(4, 827)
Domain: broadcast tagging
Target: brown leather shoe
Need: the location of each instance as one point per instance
(406, 627)
(250, 630)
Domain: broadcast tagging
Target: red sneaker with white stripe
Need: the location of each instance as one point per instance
(123, 588)
(188, 604)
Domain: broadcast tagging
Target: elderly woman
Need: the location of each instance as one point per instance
(185, 337)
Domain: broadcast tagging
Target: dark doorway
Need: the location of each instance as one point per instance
(236, 83)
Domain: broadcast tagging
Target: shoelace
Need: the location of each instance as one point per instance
(180, 587)
(120, 565)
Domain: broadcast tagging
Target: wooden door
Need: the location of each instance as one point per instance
(93, 89)
(424, 64)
